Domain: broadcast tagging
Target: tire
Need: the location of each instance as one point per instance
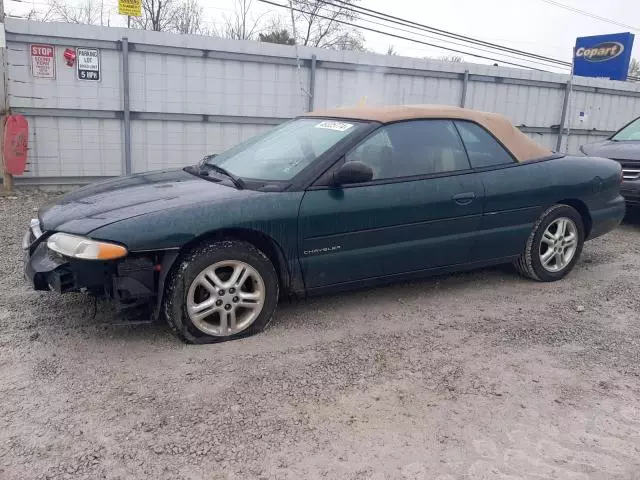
(530, 263)
(192, 287)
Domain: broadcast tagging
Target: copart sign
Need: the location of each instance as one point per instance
(605, 56)
(601, 52)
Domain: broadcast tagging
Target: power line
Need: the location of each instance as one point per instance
(382, 16)
(406, 38)
(393, 19)
(432, 37)
(400, 21)
(592, 15)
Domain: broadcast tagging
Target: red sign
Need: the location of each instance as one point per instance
(16, 144)
(43, 62)
(42, 51)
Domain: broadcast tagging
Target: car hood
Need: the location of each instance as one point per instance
(622, 150)
(100, 204)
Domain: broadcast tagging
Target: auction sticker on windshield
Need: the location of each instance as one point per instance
(338, 126)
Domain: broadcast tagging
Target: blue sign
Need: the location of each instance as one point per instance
(603, 56)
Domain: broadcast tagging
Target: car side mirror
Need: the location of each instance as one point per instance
(353, 172)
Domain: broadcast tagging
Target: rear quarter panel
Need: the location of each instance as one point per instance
(517, 195)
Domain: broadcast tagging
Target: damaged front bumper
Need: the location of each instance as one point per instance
(48, 270)
(132, 282)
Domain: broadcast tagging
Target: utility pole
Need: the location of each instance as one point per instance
(7, 179)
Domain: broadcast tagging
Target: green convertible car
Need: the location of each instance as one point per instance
(328, 201)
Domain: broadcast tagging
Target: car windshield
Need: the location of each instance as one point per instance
(283, 152)
(630, 132)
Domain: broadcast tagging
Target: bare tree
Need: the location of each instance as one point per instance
(187, 19)
(319, 24)
(157, 15)
(36, 15)
(241, 25)
(392, 50)
(90, 12)
(451, 58)
(179, 16)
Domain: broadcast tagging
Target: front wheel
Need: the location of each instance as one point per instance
(554, 246)
(221, 291)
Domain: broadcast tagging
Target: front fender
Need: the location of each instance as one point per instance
(273, 214)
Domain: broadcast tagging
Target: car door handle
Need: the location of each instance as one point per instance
(464, 198)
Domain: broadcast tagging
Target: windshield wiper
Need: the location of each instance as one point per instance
(237, 181)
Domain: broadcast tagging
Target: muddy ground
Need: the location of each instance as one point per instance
(470, 376)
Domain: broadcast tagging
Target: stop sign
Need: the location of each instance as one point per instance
(16, 143)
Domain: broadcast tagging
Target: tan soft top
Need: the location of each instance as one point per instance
(521, 146)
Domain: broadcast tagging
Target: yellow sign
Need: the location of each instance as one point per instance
(132, 8)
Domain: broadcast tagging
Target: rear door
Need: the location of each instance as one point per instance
(420, 211)
(515, 193)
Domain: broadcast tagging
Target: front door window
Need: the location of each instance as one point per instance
(414, 148)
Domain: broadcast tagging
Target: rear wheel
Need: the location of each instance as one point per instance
(554, 246)
(221, 291)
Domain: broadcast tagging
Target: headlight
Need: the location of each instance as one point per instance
(84, 248)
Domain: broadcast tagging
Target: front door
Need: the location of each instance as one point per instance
(420, 211)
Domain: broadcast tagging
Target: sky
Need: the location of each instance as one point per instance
(531, 25)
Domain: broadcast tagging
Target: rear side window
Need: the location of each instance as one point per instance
(483, 149)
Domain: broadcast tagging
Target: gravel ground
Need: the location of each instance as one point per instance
(477, 375)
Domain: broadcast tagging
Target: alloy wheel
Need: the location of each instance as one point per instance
(558, 244)
(225, 298)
